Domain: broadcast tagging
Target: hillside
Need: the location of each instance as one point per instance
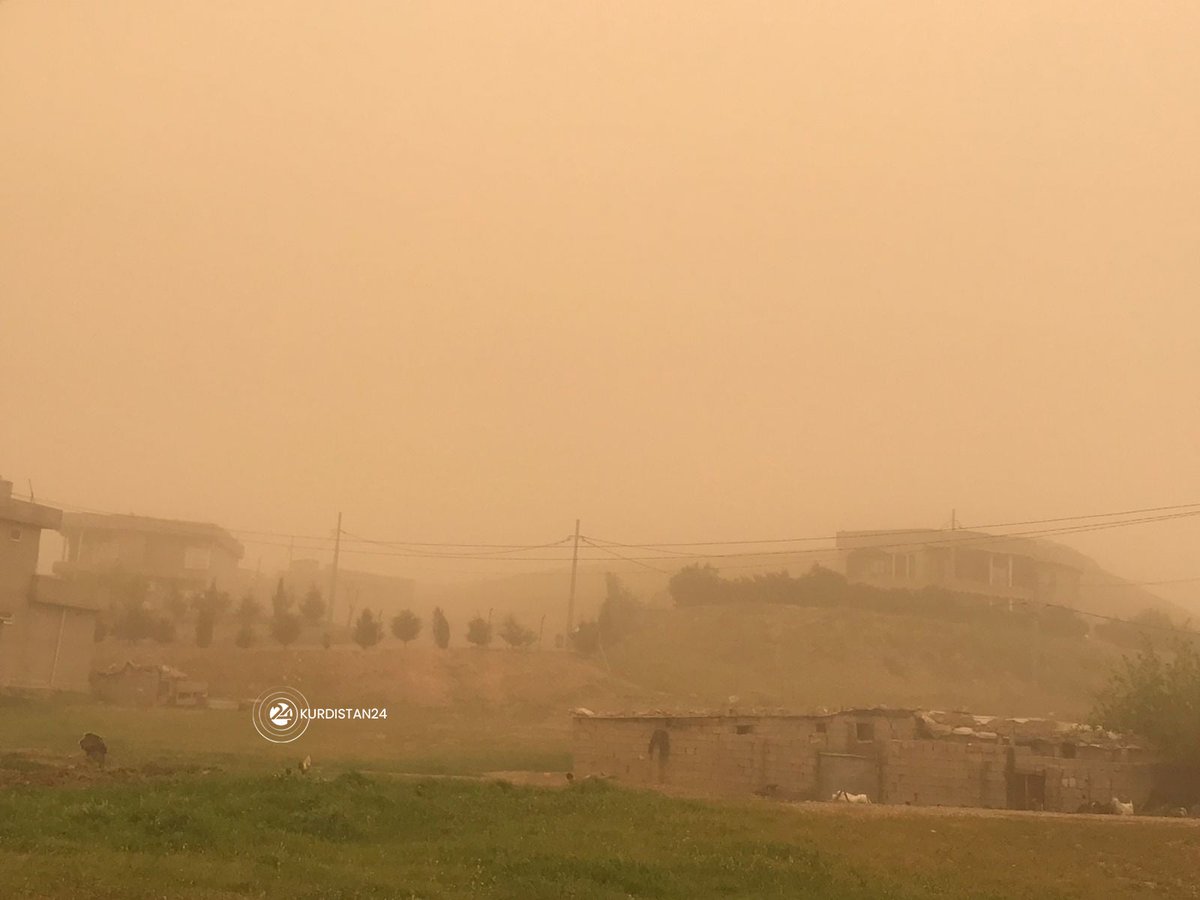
(766, 655)
(525, 684)
(769, 655)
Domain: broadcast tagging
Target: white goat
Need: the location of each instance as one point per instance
(1121, 809)
(843, 797)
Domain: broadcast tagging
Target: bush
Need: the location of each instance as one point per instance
(367, 630)
(479, 631)
(246, 637)
(406, 625)
(1158, 698)
(312, 607)
(515, 634)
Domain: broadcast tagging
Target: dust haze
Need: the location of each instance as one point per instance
(703, 271)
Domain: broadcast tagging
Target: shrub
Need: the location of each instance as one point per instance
(406, 625)
(515, 634)
(479, 631)
(367, 630)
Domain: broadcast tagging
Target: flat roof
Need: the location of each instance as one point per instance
(148, 525)
(24, 512)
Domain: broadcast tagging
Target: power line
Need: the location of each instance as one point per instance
(655, 545)
(626, 558)
(884, 545)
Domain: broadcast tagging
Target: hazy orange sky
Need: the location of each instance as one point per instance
(687, 270)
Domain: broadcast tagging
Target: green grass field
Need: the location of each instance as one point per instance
(352, 836)
(412, 739)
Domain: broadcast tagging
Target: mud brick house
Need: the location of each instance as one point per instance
(923, 758)
(46, 629)
(131, 684)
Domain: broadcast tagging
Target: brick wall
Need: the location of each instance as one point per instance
(945, 773)
(803, 757)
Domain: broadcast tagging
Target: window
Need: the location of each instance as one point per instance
(744, 729)
(864, 731)
(15, 534)
(1000, 574)
(197, 558)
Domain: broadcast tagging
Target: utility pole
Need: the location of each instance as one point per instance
(571, 596)
(953, 519)
(337, 549)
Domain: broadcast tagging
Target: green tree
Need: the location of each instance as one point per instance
(209, 606)
(246, 637)
(280, 601)
(479, 631)
(367, 630)
(620, 613)
(406, 625)
(248, 611)
(697, 585)
(313, 606)
(515, 634)
(585, 639)
(1157, 696)
(285, 628)
(441, 628)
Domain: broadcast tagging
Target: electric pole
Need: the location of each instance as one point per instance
(337, 549)
(571, 596)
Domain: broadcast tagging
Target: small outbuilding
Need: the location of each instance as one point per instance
(133, 684)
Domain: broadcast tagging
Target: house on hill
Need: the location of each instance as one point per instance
(47, 630)
(965, 561)
(897, 756)
(187, 556)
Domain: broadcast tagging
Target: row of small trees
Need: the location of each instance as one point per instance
(407, 625)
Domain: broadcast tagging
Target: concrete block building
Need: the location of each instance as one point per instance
(965, 561)
(47, 631)
(189, 556)
(914, 757)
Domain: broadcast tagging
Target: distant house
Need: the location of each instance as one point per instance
(167, 553)
(47, 632)
(961, 560)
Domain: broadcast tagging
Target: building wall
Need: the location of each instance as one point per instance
(730, 754)
(18, 563)
(47, 647)
(130, 687)
(193, 562)
(810, 757)
(945, 773)
(1072, 782)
